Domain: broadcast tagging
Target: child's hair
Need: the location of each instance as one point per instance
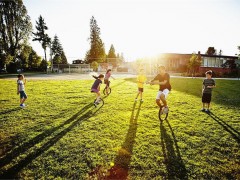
(162, 67)
(108, 71)
(209, 72)
(19, 75)
(98, 77)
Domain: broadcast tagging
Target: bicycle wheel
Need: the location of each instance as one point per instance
(162, 116)
(100, 102)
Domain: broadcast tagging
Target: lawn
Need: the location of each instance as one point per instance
(61, 135)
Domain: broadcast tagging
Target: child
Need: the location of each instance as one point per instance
(96, 87)
(163, 80)
(208, 85)
(21, 89)
(106, 79)
(141, 79)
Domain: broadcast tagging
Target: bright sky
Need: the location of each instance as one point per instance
(141, 28)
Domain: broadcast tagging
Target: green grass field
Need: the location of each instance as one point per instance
(61, 135)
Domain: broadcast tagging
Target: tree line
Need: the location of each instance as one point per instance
(17, 53)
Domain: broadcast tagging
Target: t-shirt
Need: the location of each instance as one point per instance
(162, 78)
(107, 76)
(20, 84)
(206, 83)
(96, 84)
(141, 79)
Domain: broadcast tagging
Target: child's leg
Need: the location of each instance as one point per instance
(162, 97)
(208, 105)
(140, 95)
(23, 100)
(98, 96)
(137, 94)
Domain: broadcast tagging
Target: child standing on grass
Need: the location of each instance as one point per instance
(208, 85)
(96, 87)
(21, 89)
(141, 79)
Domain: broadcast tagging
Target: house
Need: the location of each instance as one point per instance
(217, 63)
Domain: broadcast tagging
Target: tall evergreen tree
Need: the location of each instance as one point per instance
(97, 50)
(15, 28)
(41, 34)
(57, 51)
(64, 58)
(111, 57)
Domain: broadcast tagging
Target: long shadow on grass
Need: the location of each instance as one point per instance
(72, 122)
(172, 157)
(235, 134)
(10, 110)
(122, 161)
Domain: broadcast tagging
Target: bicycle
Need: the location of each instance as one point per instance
(100, 102)
(161, 115)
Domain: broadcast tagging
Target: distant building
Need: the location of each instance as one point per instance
(217, 63)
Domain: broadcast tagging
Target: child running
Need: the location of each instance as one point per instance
(21, 89)
(141, 79)
(106, 79)
(208, 85)
(96, 87)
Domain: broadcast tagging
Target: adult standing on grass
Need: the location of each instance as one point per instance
(96, 87)
(208, 85)
(21, 89)
(163, 80)
(141, 79)
(106, 79)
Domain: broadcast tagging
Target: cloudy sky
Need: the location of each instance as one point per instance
(141, 28)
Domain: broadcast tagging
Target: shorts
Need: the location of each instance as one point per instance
(95, 90)
(23, 95)
(165, 92)
(140, 89)
(107, 82)
(206, 98)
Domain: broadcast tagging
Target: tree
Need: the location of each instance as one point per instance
(57, 51)
(41, 34)
(94, 65)
(34, 60)
(24, 56)
(64, 58)
(112, 58)
(194, 63)
(97, 50)
(15, 29)
(211, 51)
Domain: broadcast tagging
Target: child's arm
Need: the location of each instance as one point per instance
(17, 88)
(158, 83)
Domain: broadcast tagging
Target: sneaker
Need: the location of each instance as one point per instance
(95, 104)
(207, 111)
(141, 100)
(22, 105)
(136, 100)
(165, 110)
(203, 110)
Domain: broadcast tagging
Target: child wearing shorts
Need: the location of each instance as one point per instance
(208, 85)
(141, 79)
(21, 89)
